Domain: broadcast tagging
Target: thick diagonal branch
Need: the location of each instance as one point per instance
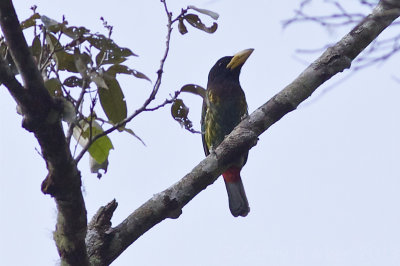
(42, 117)
(168, 204)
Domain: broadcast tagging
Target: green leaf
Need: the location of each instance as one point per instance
(139, 75)
(99, 149)
(69, 112)
(125, 52)
(209, 13)
(36, 47)
(101, 42)
(51, 24)
(113, 101)
(73, 81)
(113, 54)
(130, 131)
(64, 60)
(53, 86)
(76, 32)
(113, 59)
(195, 89)
(195, 21)
(30, 22)
(122, 69)
(53, 42)
(81, 62)
(98, 80)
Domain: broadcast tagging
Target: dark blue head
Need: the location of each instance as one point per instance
(228, 67)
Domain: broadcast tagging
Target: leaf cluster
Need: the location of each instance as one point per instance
(81, 68)
(195, 21)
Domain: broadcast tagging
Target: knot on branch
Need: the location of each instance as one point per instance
(333, 61)
(97, 237)
(102, 218)
(338, 63)
(172, 205)
(61, 183)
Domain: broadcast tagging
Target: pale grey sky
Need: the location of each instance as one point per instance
(322, 183)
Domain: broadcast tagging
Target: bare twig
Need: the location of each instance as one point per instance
(379, 51)
(166, 102)
(128, 130)
(78, 105)
(152, 95)
(340, 18)
(53, 51)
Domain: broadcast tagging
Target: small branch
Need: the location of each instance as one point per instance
(78, 105)
(164, 58)
(53, 51)
(341, 18)
(379, 50)
(152, 95)
(129, 131)
(166, 102)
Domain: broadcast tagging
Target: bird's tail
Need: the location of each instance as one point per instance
(238, 203)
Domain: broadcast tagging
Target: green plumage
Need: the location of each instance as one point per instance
(223, 108)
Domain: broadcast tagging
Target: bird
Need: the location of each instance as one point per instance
(224, 106)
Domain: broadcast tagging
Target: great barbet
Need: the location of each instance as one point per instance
(223, 108)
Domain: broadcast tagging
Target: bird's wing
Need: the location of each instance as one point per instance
(203, 127)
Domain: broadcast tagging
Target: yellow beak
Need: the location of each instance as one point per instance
(239, 58)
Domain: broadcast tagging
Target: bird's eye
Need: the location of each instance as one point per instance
(220, 64)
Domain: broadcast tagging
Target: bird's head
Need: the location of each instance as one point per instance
(229, 67)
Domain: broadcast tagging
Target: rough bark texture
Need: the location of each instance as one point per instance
(42, 117)
(168, 204)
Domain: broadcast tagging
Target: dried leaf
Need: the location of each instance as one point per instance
(207, 12)
(195, 21)
(179, 112)
(95, 167)
(181, 27)
(195, 89)
(122, 69)
(72, 81)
